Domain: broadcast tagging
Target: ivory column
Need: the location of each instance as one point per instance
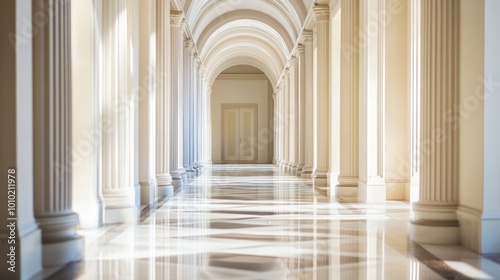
(349, 99)
(286, 119)
(292, 122)
(52, 136)
(177, 170)
(307, 38)
(321, 97)
(415, 91)
(188, 106)
(301, 100)
(147, 103)
(163, 98)
(275, 126)
(435, 220)
(371, 183)
(279, 124)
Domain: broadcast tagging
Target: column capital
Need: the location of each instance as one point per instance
(307, 36)
(300, 50)
(321, 12)
(292, 62)
(176, 19)
(188, 43)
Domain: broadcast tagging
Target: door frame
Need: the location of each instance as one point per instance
(223, 133)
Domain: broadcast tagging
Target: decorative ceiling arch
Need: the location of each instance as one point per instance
(287, 35)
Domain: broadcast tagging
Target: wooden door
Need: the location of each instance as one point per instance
(239, 133)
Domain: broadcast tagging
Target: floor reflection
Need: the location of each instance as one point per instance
(255, 222)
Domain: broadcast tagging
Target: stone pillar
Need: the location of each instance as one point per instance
(286, 119)
(163, 99)
(349, 99)
(177, 170)
(87, 133)
(371, 182)
(415, 92)
(301, 101)
(435, 220)
(196, 101)
(188, 106)
(292, 93)
(52, 136)
(16, 160)
(279, 124)
(321, 97)
(275, 128)
(147, 104)
(307, 38)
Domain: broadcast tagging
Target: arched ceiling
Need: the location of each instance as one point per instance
(260, 33)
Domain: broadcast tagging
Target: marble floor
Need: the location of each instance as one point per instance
(256, 222)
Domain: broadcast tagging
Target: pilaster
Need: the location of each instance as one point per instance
(435, 220)
(349, 99)
(321, 97)
(301, 110)
(163, 99)
(307, 39)
(292, 123)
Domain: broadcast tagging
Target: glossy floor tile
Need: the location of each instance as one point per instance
(256, 222)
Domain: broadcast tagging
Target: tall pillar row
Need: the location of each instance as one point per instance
(435, 219)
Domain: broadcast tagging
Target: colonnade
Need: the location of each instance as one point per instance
(366, 115)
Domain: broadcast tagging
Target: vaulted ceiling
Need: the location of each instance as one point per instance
(260, 33)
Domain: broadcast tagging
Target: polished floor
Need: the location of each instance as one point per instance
(256, 222)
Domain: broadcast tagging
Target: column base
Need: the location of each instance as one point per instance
(148, 192)
(435, 233)
(63, 252)
(120, 214)
(167, 190)
(307, 172)
(435, 224)
(372, 191)
(300, 167)
(91, 214)
(320, 179)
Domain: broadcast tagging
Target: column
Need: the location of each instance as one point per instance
(349, 100)
(147, 104)
(307, 39)
(321, 97)
(16, 160)
(301, 110)
(163, 99)
(177, 170)
(435, 219)
(86, 122)
(279, 124)
(188, 106)
(52, 137)
(415, 92)
(286, 119)
(209, 126)
(292, 93)
(196, 112)
(371, 182)
(275, 126)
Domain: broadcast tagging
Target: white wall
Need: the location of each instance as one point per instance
(244, 88)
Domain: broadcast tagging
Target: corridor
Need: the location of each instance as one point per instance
(257, 222)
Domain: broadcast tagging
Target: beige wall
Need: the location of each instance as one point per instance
(244, 88)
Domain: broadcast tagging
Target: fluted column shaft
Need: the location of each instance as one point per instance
(163, 98)
(286, 119)
(293, 81)
(177, 170)
(321, 96)
(52, 136)
(436, 209)
(301, 100)
(349, 97)
(307, 38)
(415, 92)
(371, 183)
(188, 108)
(279, 125)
